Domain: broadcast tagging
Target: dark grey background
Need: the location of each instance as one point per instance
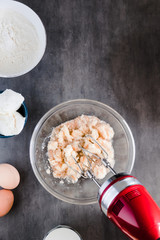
(105, 50)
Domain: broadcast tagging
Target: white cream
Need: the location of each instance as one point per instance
(62, 234)
(19, 43)
(10, 101)
(11, 122)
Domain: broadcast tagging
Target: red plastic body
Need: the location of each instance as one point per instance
(136, 213)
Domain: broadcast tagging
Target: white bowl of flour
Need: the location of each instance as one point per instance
(22, 39)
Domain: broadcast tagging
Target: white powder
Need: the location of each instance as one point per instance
(48, 171)
(19, 43)
(62, 234)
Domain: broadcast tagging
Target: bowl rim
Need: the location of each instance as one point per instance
(47, 115)
(11, 2)
(62, 226)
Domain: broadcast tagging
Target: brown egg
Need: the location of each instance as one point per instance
(6, 201)
(9, 176)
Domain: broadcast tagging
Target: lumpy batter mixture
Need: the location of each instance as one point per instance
(65, 145)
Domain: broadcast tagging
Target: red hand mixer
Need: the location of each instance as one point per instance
(126, 202)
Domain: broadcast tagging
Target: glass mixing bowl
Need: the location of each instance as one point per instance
(84, 191)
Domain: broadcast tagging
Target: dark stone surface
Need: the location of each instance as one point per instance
(107, 50)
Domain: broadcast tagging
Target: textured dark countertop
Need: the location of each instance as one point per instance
(105, 50)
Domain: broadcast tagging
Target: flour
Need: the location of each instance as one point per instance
(19, 43)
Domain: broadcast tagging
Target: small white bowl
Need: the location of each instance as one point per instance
(62, 232)
(34, 19)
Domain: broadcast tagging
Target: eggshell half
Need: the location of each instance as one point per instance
(6, 201)
(9, 176)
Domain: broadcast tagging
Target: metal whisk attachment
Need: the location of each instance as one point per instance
(104, 160)
(88, 173)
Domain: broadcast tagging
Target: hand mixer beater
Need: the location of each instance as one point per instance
(125, 201)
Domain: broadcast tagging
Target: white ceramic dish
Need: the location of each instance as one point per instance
(62, 232)
(34, 19)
